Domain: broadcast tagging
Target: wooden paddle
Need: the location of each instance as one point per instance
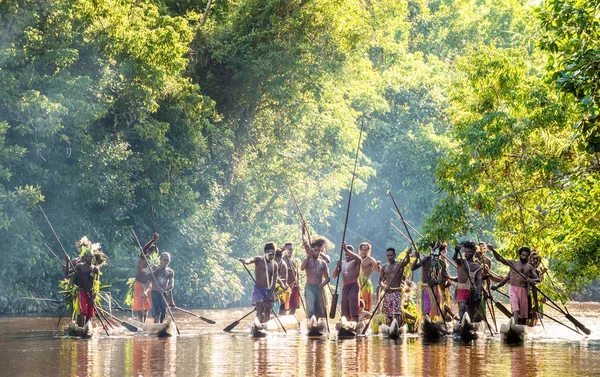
(207, 320)
(128, 326)
(233, 324)
(334, 296)
(568, 316)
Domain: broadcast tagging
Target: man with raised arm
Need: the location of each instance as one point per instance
(142, 301)
(368, 265)
(469, 279)
(350, 269)
(317, 277)
(266, 274)
(292, 301)
(434, 280)
(519, 286)
(391, 280)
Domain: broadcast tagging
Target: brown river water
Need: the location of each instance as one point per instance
(30, 346)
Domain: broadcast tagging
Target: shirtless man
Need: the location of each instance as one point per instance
(350, 269)
(266, 275)
(292, 301)
(162, 283)
(87, 273)
(392, 275)
(519, 287)
(282, 279)
(469, 279)
(141, 287)
(368, 265)
(537, 305)
(317, 277)
(434, 279)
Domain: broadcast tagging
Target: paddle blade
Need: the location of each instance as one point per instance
(207, 320)
(503, 309)
(129, 326)
(334, 300)
(231, 326)
(578, 324)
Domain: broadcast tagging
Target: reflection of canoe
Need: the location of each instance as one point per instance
(259, 330)
(76, 331)
(316, 327)
(516, 334)
(394, 330)
(467, 330)
(161, 330)
(434, 330)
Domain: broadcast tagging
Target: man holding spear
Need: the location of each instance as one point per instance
(520, 284)
(317, 277)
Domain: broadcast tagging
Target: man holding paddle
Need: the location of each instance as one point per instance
(392, 275)
(350, 269)
(368, 265)
(164, 283)
(470, 284)
(292, 301)
(317, 277)
(266, 273)
(519, 284)
(142, 302)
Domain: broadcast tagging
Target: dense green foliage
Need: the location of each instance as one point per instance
(214, 112)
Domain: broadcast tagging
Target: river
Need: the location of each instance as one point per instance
(31, 347)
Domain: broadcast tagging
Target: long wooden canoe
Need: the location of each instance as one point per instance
(316, 327)
(75, 331)
(435, 330)
(394, 330)
(467, 330)
(259, 330)
(160, 330)
(512, 333)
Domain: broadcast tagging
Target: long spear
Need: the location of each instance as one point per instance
(72, 266)
(297, 278)
(334, 296)
(437, 302)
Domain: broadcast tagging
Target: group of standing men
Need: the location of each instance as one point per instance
(279, 271)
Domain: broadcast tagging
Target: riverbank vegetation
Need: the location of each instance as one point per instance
(480, 116)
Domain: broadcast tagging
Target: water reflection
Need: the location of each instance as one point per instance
(204, 351)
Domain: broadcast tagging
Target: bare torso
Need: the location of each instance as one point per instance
(316, 271)
(265, 272)
(350, 271)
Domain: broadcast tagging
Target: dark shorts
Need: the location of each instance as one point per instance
(159, 306)
(350, 294)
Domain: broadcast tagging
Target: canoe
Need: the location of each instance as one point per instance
(349, 329)
(511, 333)
(160, 330)
(394, 330)
(467, 330)
(316, 327)
(75, 331)
(260, 330)
(434, 330)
